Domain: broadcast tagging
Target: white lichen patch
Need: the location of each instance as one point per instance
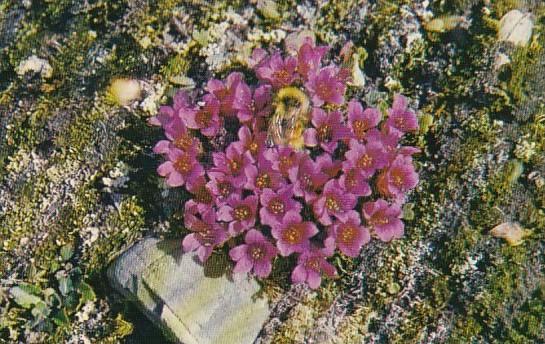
(35, 65)
(154, 93)
(525, 150)
(117, 178)
(222, 41)
(18, 162)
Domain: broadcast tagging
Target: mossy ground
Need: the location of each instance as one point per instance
(448, 280)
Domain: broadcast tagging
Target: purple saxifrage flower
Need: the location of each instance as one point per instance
(181, 105)
(334, 201)
(283, 158)
(233, 163)
(293, 234)
(307, 179)
(263, 176)
(365, 158)
(350, 235)
(328, 165)
(207, 234)
(309, 57)
(257, 253)
(221, 187)
(178, 137)
(278, 72)
(225, 92)
(327, 132)
(312, 264)
(384, 219)
(352, 180)
(388, 140)
(249, 106)
(202, 195)
(325, 86)
(274, 205)
(252, 141)
(399, 178)
(400, 119)
(360, 121)
(240, 213)
(206, 119)
(181, 167)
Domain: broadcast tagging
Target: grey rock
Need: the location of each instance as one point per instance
(173, 291)
(516, 27)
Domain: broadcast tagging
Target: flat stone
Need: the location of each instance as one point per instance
(173, 291)
(516, 27)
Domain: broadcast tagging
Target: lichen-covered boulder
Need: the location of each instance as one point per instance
(173, 289)
(516, 27)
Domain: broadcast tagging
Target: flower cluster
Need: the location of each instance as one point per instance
(256, 158)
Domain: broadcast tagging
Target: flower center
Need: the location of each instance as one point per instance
(293, 234)
(276, 206)
(285, 163)
(400, 123)
(253, 147)
(332, 204)
(204, 234)
(263, 180)
(313, 263)
(242, 212)
(283, 76)
(347, 234)
(235, 166)
(184, 141)
(203, 195)
(222, 93)
(183, 164)
(323, 91)
(351, 178)
(203, 118)
(307, 182)
(398, 181)
(376, 220)
(256, 253)
(224, 188)
(359, 128)
(365, 161)
(324, 133)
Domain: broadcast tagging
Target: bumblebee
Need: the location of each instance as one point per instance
(290, 118)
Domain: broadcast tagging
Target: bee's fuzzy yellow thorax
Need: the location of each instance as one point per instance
(290, 118)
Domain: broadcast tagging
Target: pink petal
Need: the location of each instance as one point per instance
(203, 253)
(224, 213)
(243, 265)
(236, 253)
(329, 269)
(190, 243)
(309, 136)
(299, 274)
(313, 279)
(165, 168)
(263, 269)
(175, 179)
(162, 147)
(254, 236)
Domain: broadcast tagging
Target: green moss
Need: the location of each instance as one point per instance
(523, 65)
(125, 225)
(488, 310)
